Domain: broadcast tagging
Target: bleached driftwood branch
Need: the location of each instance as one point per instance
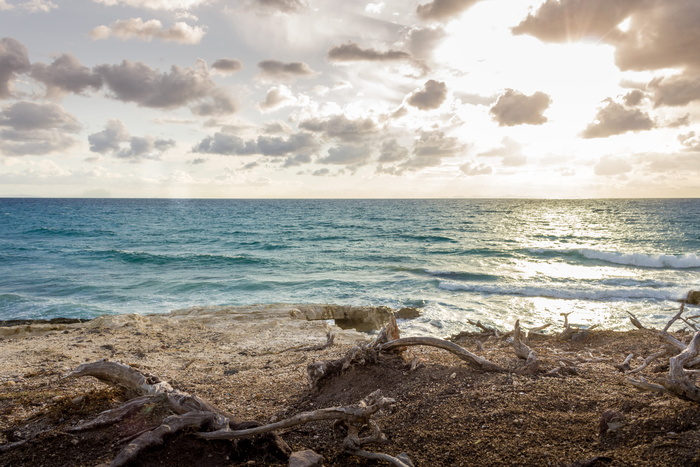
(678, 383)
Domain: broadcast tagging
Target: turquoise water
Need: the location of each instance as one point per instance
(492, 260)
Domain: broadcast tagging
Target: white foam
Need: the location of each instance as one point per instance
(643, 260)
(569, 293)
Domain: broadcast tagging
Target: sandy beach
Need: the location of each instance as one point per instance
(251, 362)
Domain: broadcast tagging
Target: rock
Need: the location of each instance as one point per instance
(306, 458)
(693, 297)
(408, 313)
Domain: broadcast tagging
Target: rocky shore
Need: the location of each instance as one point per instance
(577, 409)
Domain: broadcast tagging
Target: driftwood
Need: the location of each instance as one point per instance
(210, 423)
(678, 383)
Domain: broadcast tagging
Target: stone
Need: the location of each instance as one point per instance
(306, 458)
(693, 297)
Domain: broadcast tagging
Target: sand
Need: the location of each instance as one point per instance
(246, 360)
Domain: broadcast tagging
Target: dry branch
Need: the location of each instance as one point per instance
(677, 384)
(523, 351)
(473, 360)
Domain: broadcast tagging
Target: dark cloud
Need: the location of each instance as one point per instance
(661, 34)
(351, 52)
(323, 172)
(109, 139)
(273, 146)
(633, 98)
(348, 155)
(29, 116)
(275, 70)
(614, 119)
(65, 74)
(573, 20)
(515, 108)
(295, 161)
(116, 141)
(29, 128)
(341, 127)
(677, 90)
(218, 103)
(225, 144)
(441, 10)
(13, 60)
(392, 151)
(227, 65)
(430, 97)
(137, 82)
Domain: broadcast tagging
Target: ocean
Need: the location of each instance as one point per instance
(455, 259)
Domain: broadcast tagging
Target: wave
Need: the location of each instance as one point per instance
(70, 232)
(660, 261)
(568, 293)
(160, 259)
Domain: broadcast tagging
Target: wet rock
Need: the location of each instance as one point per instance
(693, 297)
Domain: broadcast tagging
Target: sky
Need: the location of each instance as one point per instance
(350, 99)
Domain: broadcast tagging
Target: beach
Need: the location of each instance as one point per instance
(252, 362)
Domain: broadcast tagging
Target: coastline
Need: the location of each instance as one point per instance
(245, 360)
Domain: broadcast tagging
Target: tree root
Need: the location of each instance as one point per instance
(678, 382)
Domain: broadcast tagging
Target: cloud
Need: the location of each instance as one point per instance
(430, 148)
(273, 146)
(430, 97)
(633, 98)
(155, 4)
(283, 6)
(65, 74)
(276, 98)
(472, 168)
(137, 82)
(661, 34)
(612, 165)
(297, 160)
(136, 28)
(392, 151)
(227, 65)
(275, 70)
(109, 139)
(421, 42)
(615, 119)
(29, 128)
(573, 20)
(351, 52)
(13, 60)
(690, 141)
(341, 127)
(348, 155)
(515, 108)
(510, 152)
(32, 6)
(116, 141)
(677, 90)
(441, 10)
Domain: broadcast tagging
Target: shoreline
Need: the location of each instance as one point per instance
(252, 362)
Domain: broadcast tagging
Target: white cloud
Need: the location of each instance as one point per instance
(137, 28)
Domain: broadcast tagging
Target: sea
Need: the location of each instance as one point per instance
(488, 260)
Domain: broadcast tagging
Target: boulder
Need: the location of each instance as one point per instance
(306, 458)
(693, 297)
